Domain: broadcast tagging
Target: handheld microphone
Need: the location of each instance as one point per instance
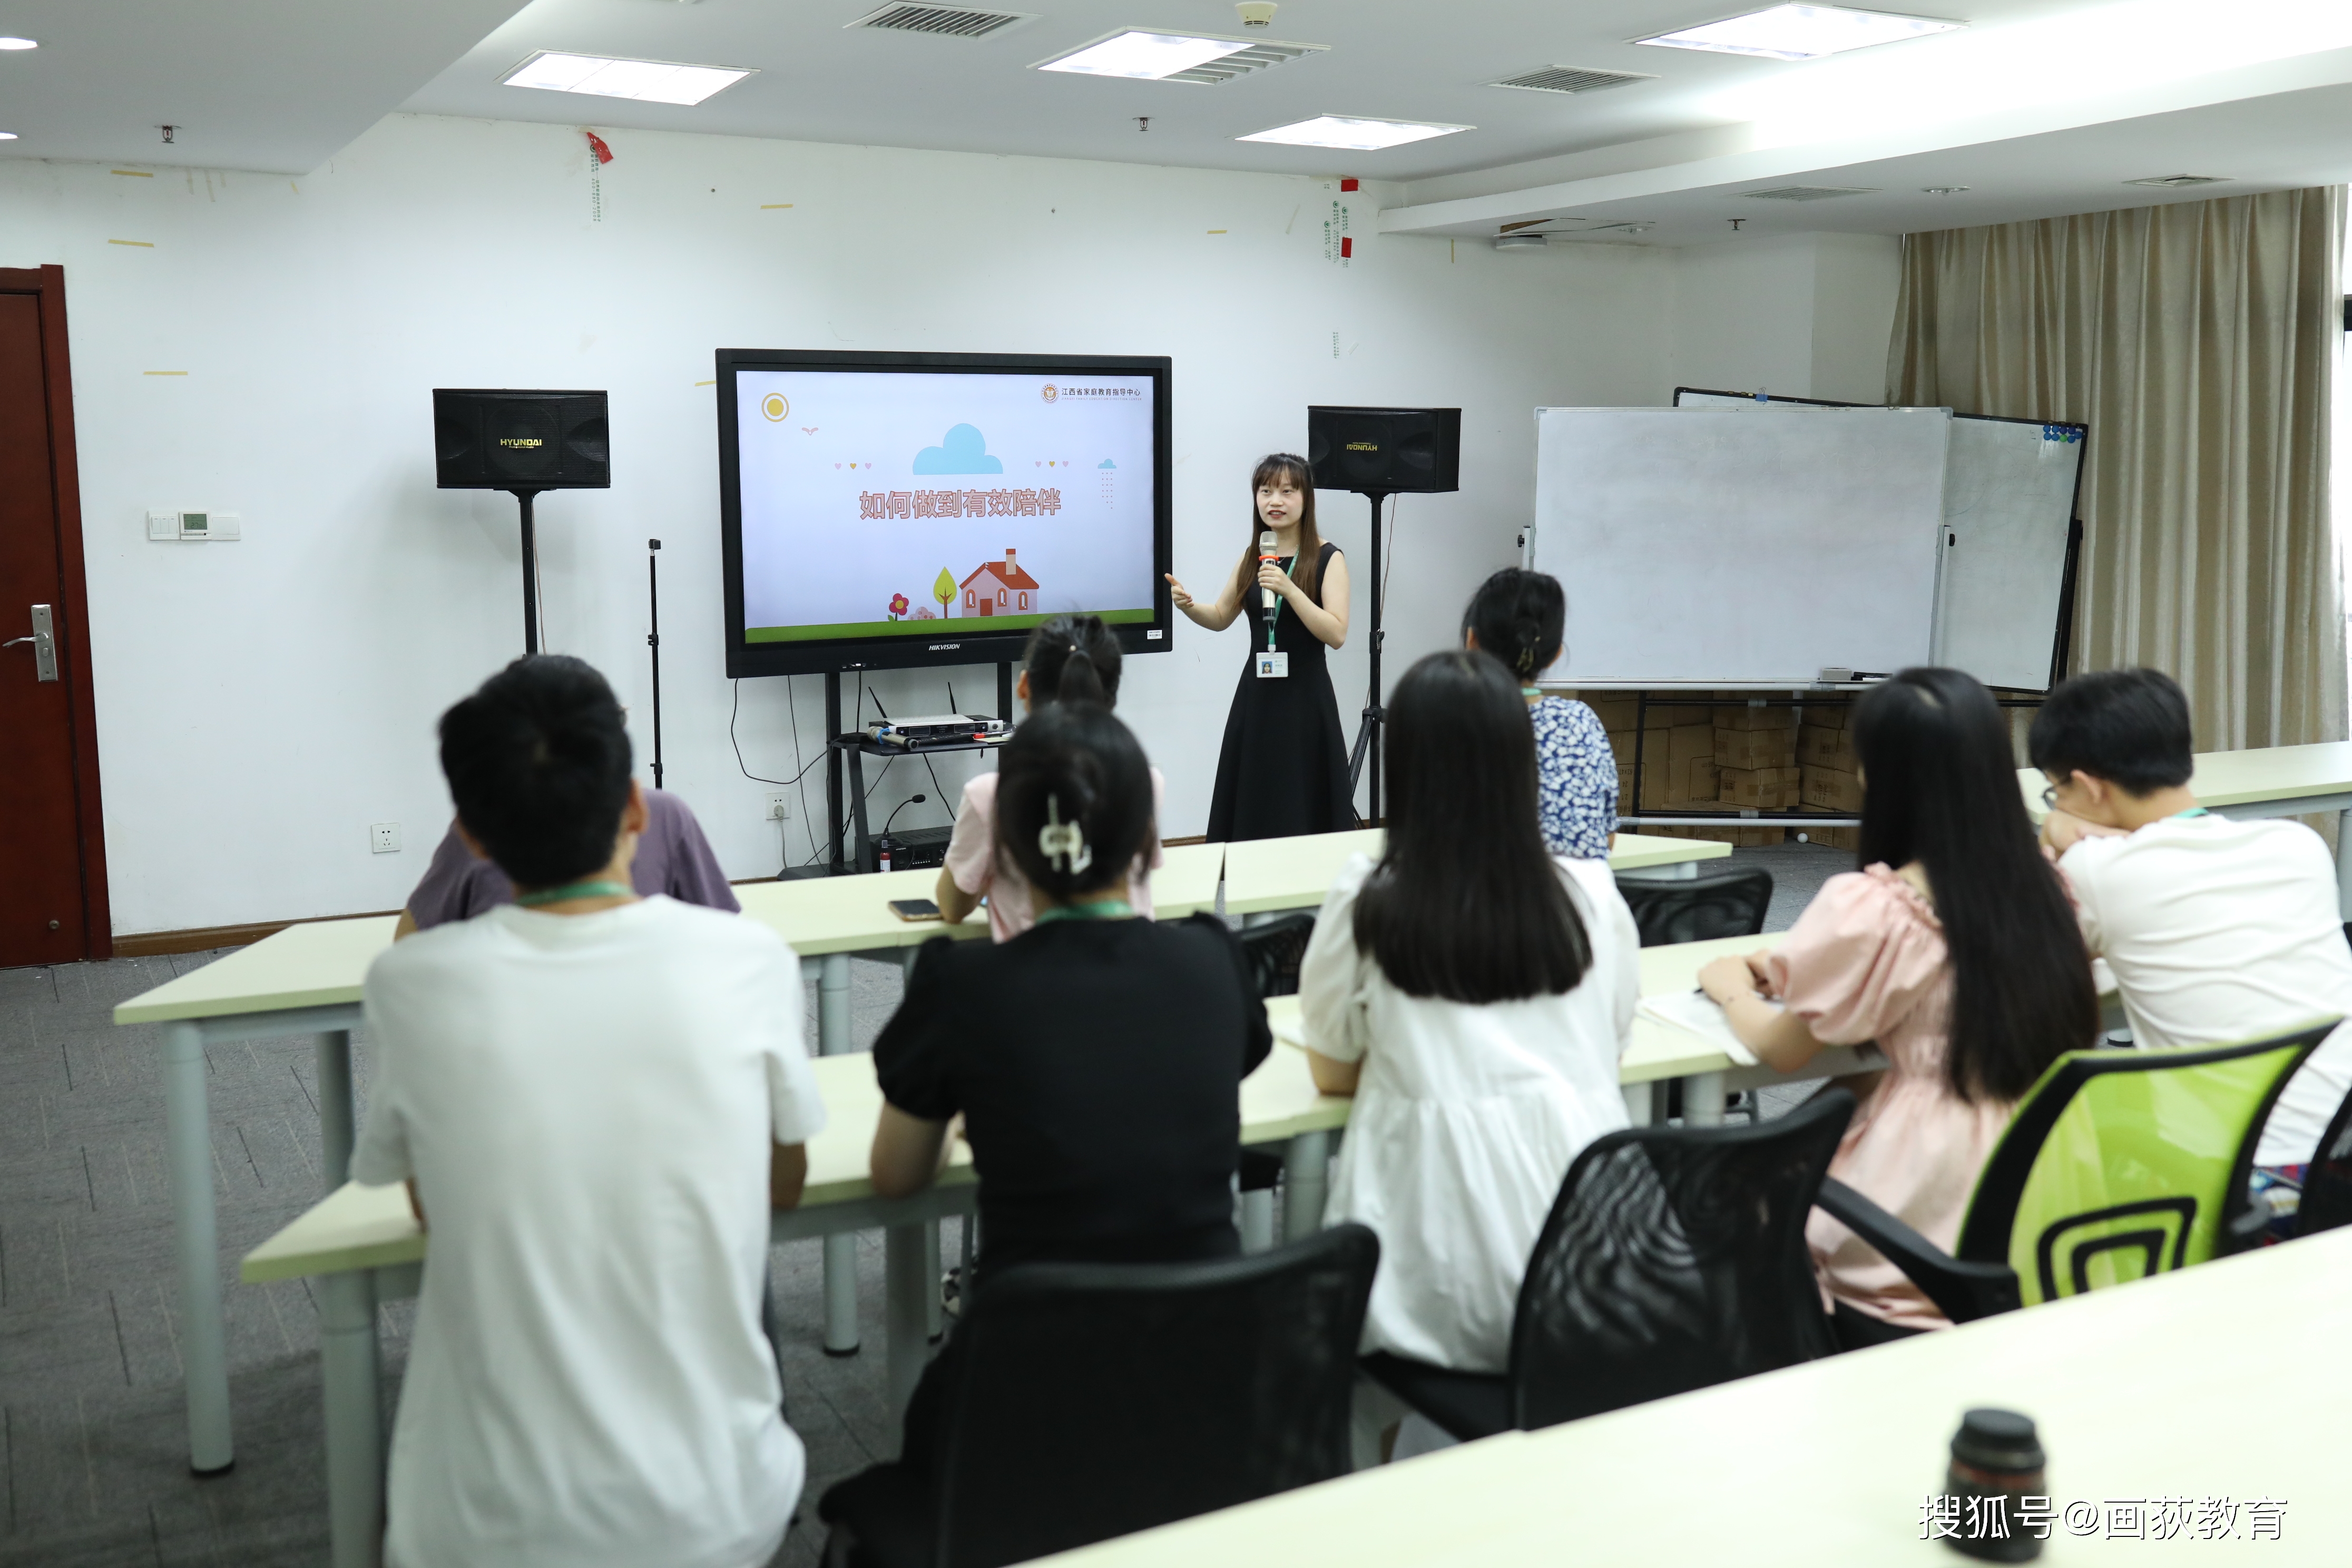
(1266, 543)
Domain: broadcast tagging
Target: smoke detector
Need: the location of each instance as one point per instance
(1257, 13)
(2178, 181)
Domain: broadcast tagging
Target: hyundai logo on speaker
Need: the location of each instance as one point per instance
(512, 439)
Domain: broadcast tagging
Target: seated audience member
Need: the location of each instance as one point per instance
(1095, 1058)
(1519, 618)
(1070, 658)
(2215, 931)
(672, 857)
(595, 1098)
(1474, 994)
(1953, 949)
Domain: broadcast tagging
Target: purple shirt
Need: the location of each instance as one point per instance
(673, 857)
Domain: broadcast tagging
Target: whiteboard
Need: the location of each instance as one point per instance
(1709, 544)
(2009, 510)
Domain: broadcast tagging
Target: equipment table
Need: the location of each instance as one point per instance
(1264, 875)
(1832, 1462)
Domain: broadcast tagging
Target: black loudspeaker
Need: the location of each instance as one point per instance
(1388, 451)
(507, 440)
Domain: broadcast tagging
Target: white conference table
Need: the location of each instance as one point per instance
(1265, 875)
(2275, 780)
(363, 1245)
(2228, 1380)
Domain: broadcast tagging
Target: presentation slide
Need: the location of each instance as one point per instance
(916, 503)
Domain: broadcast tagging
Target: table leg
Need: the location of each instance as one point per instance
(1703, 1100)
(840, 1251)
(348, 1365)
(932, 1270)
(2344, 866)
(1637, 1103)
(1306, 1166)
(204, 1344)
(338, 1124)
(903, 1256)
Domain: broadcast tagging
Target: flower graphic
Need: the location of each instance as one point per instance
(898, 605)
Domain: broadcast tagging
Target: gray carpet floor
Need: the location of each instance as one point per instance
(93, 1438)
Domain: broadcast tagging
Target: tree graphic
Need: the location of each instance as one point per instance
(944, 590)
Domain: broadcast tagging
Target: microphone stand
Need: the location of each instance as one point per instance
(530, 573)
(653, 640)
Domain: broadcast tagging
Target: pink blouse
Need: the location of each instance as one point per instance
(1867, 961)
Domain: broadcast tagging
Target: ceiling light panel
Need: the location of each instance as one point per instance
(646, 81)
(1197, 57)
(1801, 32)
(18, 43)
(1353, 134)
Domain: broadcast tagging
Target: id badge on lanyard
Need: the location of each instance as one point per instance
(1273, 665)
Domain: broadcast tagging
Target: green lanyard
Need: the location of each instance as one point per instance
(1278, 606)
(1531, 691)
(2193, 811)
(589, 889)
(1101, 910)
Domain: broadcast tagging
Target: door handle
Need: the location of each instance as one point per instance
(45, 643)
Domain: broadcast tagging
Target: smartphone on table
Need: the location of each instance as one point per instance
(915, 908)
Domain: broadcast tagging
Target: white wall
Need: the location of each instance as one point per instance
(1804, 315)
(261, 702)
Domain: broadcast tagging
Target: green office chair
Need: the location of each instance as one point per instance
(2117, 1165)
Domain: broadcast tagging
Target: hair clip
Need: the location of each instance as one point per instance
(1064, 841)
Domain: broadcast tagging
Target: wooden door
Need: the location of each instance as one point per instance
(53, 905)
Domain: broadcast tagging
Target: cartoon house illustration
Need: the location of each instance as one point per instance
(1001, 588)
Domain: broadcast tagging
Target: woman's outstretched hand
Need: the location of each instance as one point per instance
(1182, 595)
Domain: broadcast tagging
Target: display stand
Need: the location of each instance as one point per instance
(1367, 731)
(847, 752)
(529, 571)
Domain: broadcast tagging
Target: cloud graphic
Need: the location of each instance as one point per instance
(1105, 463)
(963, 451)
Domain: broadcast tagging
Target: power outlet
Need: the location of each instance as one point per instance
(779, 809)
(383, 837)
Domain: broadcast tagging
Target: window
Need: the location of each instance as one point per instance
(969, 599)
(999, 595)
(1024, 601)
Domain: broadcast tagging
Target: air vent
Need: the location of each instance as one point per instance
(941, 21)
(1571, 79)
(1809, 193)
(2175, 182)
(1262, 54)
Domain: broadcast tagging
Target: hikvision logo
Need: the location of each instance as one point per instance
(942, 647)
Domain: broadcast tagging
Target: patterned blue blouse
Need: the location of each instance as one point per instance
(1576, 779)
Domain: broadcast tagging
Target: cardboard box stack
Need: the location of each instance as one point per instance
(1678, 754)
(1827, 783)
(1697, 756)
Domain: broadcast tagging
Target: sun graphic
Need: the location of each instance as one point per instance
(776, 406)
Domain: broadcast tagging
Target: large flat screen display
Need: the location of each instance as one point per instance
(892, 509)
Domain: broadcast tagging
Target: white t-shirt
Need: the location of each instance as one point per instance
(2218, 930)
(971, 861)
(586, 1103)
(1466, 1117)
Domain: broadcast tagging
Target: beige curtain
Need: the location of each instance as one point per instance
(2198, 341)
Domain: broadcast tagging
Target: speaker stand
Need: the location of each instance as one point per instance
(653, 641)
(1368, 733)
(530, 573)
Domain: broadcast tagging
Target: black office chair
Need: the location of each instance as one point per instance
(1274, 950)
(2327, 1183)
(1097, 1399)
(1673, 1258)
(1721, 903)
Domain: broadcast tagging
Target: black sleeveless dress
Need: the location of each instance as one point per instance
(1284, 769)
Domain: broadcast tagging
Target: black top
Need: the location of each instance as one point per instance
(1098, 1065)
(1284, 766)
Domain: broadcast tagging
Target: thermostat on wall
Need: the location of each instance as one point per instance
(194, 525)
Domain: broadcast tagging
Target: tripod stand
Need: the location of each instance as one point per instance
(529, 571)
(1368, 733)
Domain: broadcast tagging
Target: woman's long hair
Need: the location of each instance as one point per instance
(1520, 617)
(1273, 469)
(1467, 904)
(1073, 794)
(1940, 789)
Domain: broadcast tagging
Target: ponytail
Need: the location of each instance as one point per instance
(1519, 617)
(1072, 658)
(1073, 796)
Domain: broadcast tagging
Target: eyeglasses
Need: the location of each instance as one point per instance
(2049, 797)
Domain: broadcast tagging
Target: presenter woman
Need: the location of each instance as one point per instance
(1284, 769)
